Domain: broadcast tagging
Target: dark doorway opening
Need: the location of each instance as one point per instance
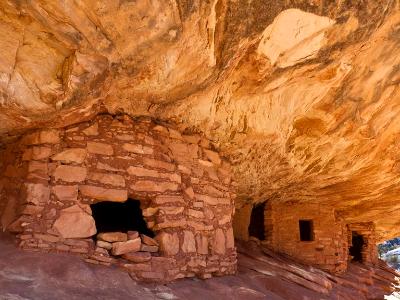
(115, 216)
(257, 227)
(306, 228)
(357, 244)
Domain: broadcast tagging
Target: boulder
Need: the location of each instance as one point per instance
(74, 222)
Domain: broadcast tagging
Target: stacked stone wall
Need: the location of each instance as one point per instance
(185, 190)
(369, 250)
(329, 248)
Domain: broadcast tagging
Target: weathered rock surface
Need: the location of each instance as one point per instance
(301, 96)
(74, 222)
(44, 276)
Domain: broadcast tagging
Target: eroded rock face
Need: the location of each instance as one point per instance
(301, 96)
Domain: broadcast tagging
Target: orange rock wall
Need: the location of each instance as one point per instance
(184, 187)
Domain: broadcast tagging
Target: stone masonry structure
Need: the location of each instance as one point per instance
(52, 177)
(330, 243)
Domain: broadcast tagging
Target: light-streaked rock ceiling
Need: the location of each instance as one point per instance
(302, 96)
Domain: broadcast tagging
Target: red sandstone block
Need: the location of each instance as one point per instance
(213, 157)
(100, 193)
(230, 240)
(219, 242)
(112, 237)
(148, 240)
(37, 193)
(158, 164)
(99, 148)
(202, 244)
(169, 243)
(152, 186)
(50, 136)
(139, 149)
(36, 153)
(70, 173)
(120, 248)
(38, 170)
(188, 244)
(66, 192)
(137, 257)
(195, 214)
(73, 155)
(111, 179)
(147, 248)
(162, 199)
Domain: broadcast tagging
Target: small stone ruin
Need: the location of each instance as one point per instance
(122, 191)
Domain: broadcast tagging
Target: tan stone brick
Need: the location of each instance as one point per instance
(219, 242)
(111, 179)
(196, 214)
(136, 148)
(103, 166)
(202, 244)
(212, 200)
(206, 163)
(49, 136)
(112, 237)
(169, 243)
(73, 155)
(171, 224)
(171, 210)
(120, 248)
(66, 192)
(152, 186)
(70, 173)
(213, 157)
(192, 139)
(189, 244)
(150, 211)
(142, 172)
(74, 222)
(147, 248)
(100, 148)
(38, 170)
(105, 245)
(31, 209)
(230, 240)
(132, 234)
(189, 192)
(158, 164)
(148, 240)
(36, 153)
(105, 194)
(125, 137)
(92, 130)
(162, 199)
(37, 193)
(46, 237)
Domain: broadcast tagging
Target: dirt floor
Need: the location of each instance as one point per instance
(262, 275)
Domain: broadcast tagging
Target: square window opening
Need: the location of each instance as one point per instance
(306, 230)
